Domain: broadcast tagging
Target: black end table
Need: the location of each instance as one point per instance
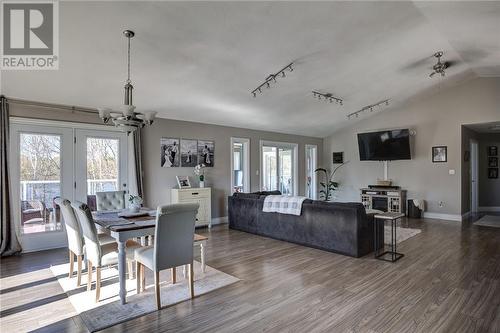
(391, 255)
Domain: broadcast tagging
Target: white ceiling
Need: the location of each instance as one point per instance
(198, 61)
(493, 127)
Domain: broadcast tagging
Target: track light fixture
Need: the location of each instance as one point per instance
(272, 79)
(371, 108)
(328, 97)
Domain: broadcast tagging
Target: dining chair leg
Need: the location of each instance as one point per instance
(97, 284)
(89, 275)
(143, 278)
(157, 290)
(79, 271)
(71, 264)
(130, 269)
(191, 280)
(174, 275)
(138, 276)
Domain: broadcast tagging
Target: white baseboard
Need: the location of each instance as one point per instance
(441, 216)
(220, 220)
(489, 209)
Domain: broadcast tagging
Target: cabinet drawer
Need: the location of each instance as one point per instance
(192, 195)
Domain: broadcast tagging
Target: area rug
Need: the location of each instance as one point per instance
(489, 221)
(402, 234)
(109, 311)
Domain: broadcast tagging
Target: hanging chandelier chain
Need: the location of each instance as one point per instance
(128, 61)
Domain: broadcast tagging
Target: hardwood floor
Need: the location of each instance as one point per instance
(448, 281)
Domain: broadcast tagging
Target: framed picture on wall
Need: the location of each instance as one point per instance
(492, 151)
(170, 157)
(439, 154)
(189, 153)
(206, 153)
(492, 173)
(493, 162)
(338, 157)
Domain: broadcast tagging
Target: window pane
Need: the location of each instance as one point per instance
(40, 182)
(285, 179)
(102, 165)
(269, 172)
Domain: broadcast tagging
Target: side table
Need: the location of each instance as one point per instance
(391, 255)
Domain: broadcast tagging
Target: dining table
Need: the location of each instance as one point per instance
(123, 225)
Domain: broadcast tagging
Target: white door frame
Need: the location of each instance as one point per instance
(314, 178)
(295, 161)
(474, 176)
(246, 163)
(47, 239)
(81, 159)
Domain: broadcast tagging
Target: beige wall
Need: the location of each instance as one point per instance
(437, 120)
(489, 189)
(159, 181)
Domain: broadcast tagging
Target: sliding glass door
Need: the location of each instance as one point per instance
(50, 161)
(279, 167)
(311, 165)
(240, 165)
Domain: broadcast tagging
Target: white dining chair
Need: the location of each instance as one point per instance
(75, 238)
(112, 200)
(173, 246)
(98, 255)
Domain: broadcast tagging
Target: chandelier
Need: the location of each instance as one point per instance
(126, 117)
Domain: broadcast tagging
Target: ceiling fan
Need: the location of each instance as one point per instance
(440, 67)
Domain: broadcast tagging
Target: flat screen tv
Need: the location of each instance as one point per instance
(385, 145)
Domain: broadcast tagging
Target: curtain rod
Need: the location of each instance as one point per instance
(51, 105)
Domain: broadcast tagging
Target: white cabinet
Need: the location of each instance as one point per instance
(202, 196)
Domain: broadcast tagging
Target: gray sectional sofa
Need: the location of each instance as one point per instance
(343, 228)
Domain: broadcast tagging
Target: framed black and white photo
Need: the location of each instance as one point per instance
(183, 181)
(206, 153)
(492, 173)
(493, 162)
(189, 153)
(170, 157)
(338, 157)
(439, 154)
(492, 151)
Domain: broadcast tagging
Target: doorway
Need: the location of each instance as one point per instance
(240, 165)
(51, 159)
(474, 176)
(279, 168)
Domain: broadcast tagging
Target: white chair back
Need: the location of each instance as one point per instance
(111, 200)
(73, 229)
(174, 235)
(89, 230)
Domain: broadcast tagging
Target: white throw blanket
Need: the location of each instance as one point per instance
(283, 204)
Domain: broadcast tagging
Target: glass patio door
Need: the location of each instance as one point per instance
(41, 170)
(101, 163)
(279, 167)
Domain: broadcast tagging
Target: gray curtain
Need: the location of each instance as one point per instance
(138, 162)
(9, 243)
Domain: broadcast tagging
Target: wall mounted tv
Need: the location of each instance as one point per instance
(384, 145)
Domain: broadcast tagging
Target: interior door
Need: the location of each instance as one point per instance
(474, 175)
(101, 163)
(41, 170)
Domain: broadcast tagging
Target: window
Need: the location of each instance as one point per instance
(311, 165)
(240, 165)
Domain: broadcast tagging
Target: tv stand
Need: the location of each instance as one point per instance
(386, 199)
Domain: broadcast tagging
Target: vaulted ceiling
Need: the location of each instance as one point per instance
(198, 61)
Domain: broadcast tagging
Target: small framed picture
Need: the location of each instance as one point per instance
(492, 151)
(493, 162)
(492, 173)
(338, 157)
(183, 181)
(439, 154)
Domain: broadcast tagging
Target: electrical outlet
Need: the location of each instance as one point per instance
(441, 204)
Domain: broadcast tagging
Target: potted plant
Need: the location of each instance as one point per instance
(199, 171)
(329, 185)
(135, 203)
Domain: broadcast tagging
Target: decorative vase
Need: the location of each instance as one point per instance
(202, 183)
(134, 208)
